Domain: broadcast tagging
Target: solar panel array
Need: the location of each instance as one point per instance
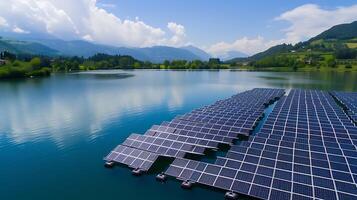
(306, 149)
(199, 130)
(162, 146)
(234, 116)
(132, 157)
(349, 100)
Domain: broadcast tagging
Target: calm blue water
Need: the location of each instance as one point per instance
(55, 131)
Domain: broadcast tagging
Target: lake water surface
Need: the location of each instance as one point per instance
(55, 131)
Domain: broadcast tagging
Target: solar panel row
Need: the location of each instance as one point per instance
(349, 100)
(305, 150)
(203, 128)
(215, 129)
(162, 146)
(191, 131)
(240, 112)
(172, 134)
(131, 157)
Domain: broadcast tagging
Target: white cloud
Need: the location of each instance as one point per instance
(246, 45)
(19, 30)
(38, 16)
(309, 20)
(106, 5)
(87, 37)
(83, 19)
(304, 21)
(177, 29)
(3, 22)
(179, 34)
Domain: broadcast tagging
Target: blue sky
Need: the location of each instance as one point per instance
(210, 21)
(217, 26)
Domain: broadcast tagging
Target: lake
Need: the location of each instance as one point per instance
(55, 131)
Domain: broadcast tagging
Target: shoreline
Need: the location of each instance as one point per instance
(324, 70)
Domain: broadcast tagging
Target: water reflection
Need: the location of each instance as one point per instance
(62, 107)
(32, 111)
(105, 75)
(345, 81)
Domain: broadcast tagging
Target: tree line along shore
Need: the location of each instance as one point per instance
(22, 66)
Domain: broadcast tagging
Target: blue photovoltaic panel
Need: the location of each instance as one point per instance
(237, 115)
(349, 100)
(165, 147)
(171, 134)
(225, 131)
(305, 150)
(203, 128)
(131, 157)
(191, 132)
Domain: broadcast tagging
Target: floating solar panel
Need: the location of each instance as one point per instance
(214, 129)
(237, 115)
(161, 146)
(305, 150)
(171, 134)
(349, 100)
(191, 131)
(131, 157)
(194, 132)
(244, 121)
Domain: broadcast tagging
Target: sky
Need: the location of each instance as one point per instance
(217, 26)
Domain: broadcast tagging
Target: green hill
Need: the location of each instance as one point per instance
(335, 48)
(25, 47)
(338, 32)
(281, 48)
(4, 46)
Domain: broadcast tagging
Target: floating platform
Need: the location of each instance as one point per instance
(231, 195)
(161, 177)
(306, 148)
(194, 133)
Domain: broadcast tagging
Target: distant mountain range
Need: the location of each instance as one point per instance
(329, 40)
(24, 47)
(345, 34)
(57, 47)
(198, 52)
(232, 54)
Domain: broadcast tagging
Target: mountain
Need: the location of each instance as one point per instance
(4, 46)
(271, 51)
(198, 52)
(162, 53)
(51, 47)
(26, 47)
(340, 32)
(333, 49)
(342, 36)
(152, 54)
(232, 54)
(75, 47)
